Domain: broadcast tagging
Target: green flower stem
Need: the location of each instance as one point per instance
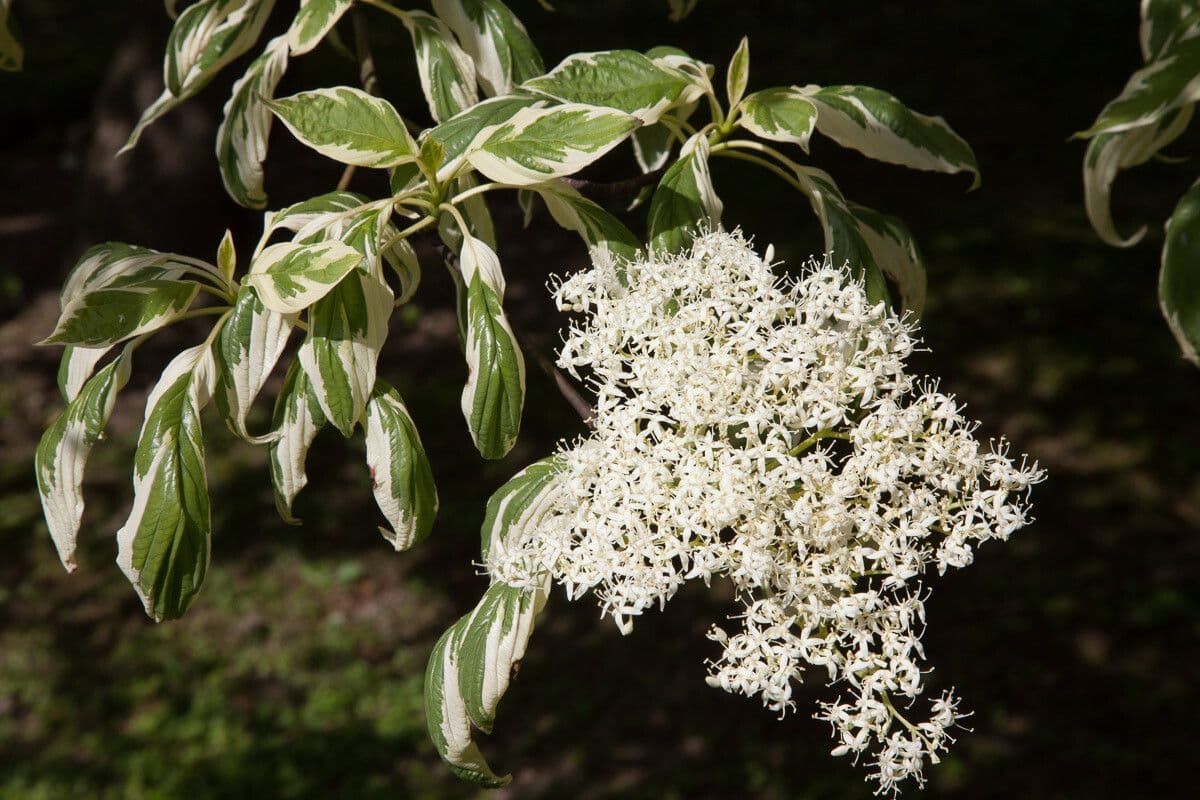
(824, 433)
(723, 150)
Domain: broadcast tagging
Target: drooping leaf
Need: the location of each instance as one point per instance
(128, 305)
(475, 213)
(684, 199)
(314, 19)
(297, 419)
(347, 329)
(447, 73)
(76, 367)
(495, 39)
(1109, 153)
(537, 144)
(494, 394)
(879, 126)
(894, 251)
(469, 671)
(347, 125)
(63, 451)
(290, 277)
(620, 79)
(242, 137)
(164, 546)
(517, 505)
(780, 114)
(246, 350)
(1165, 84)
(1163, 21)
(403, 481)
(1179, 281)
(314, 213)
(601, 231)
(207, 36)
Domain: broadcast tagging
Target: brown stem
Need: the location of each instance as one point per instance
(616, 190)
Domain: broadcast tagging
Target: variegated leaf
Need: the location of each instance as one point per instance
(698, 73)
(403, 481)
(684, 199)
(347, 125)
(843, 235)
(290, 277)
(474, 211)
(1162, 23)
(297, 419)
(495, 39)
(1179, 281)
(1165, 84)
(63, 451)
(601, 231)
(76, 367)
(347, 329)
(879, 126)
(1109, 153)
(227, 258)
(457, 133)
(447, 73)
(12, 55)
(113, 263)
(164, 546)
(780, 114)
(242, 137)
(494, 394)
(207, 36)
(518, 505)
(469, 671)
(246, 350)
(738, 74)
(894, 251)
(312, 214)
(314, 19)
(622, 79)
(538, 144)
(129, 305)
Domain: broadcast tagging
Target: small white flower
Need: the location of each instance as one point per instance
(764, 429)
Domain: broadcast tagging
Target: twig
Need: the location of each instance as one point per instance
(616, 190)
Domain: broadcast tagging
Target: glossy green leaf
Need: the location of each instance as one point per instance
(347, 125)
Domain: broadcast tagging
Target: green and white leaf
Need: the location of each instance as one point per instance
(894, 251)
(879, 126)
(1109, 153)
(685, 198)
(290, 277)
(62, 454)
(297, 419)
(242, 137)
(227, 258)
(474, 211)
(738, 73)
(447, 73)
(494, 394)
(1163, 85)
(1179, 281)
(622, 79)
(347, 125)
(125, 306)
(604, 234)
(75, 367)
(698, 73)
(113, 263)
(781, 114)
(12, 55)
(458, 133)
(312, 214)
(403, 481)
(164, 546)
(496, 41)
(314, 19)
(538, 144)
(347, 329)
(844, 239)
(469, 671)
(1162, 23)
(246, 350)
(207, 36)
(518, 506)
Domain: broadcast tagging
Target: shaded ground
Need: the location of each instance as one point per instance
(298, 671)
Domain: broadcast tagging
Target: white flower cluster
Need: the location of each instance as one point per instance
(764, 429)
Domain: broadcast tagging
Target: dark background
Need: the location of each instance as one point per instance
(297, 672)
